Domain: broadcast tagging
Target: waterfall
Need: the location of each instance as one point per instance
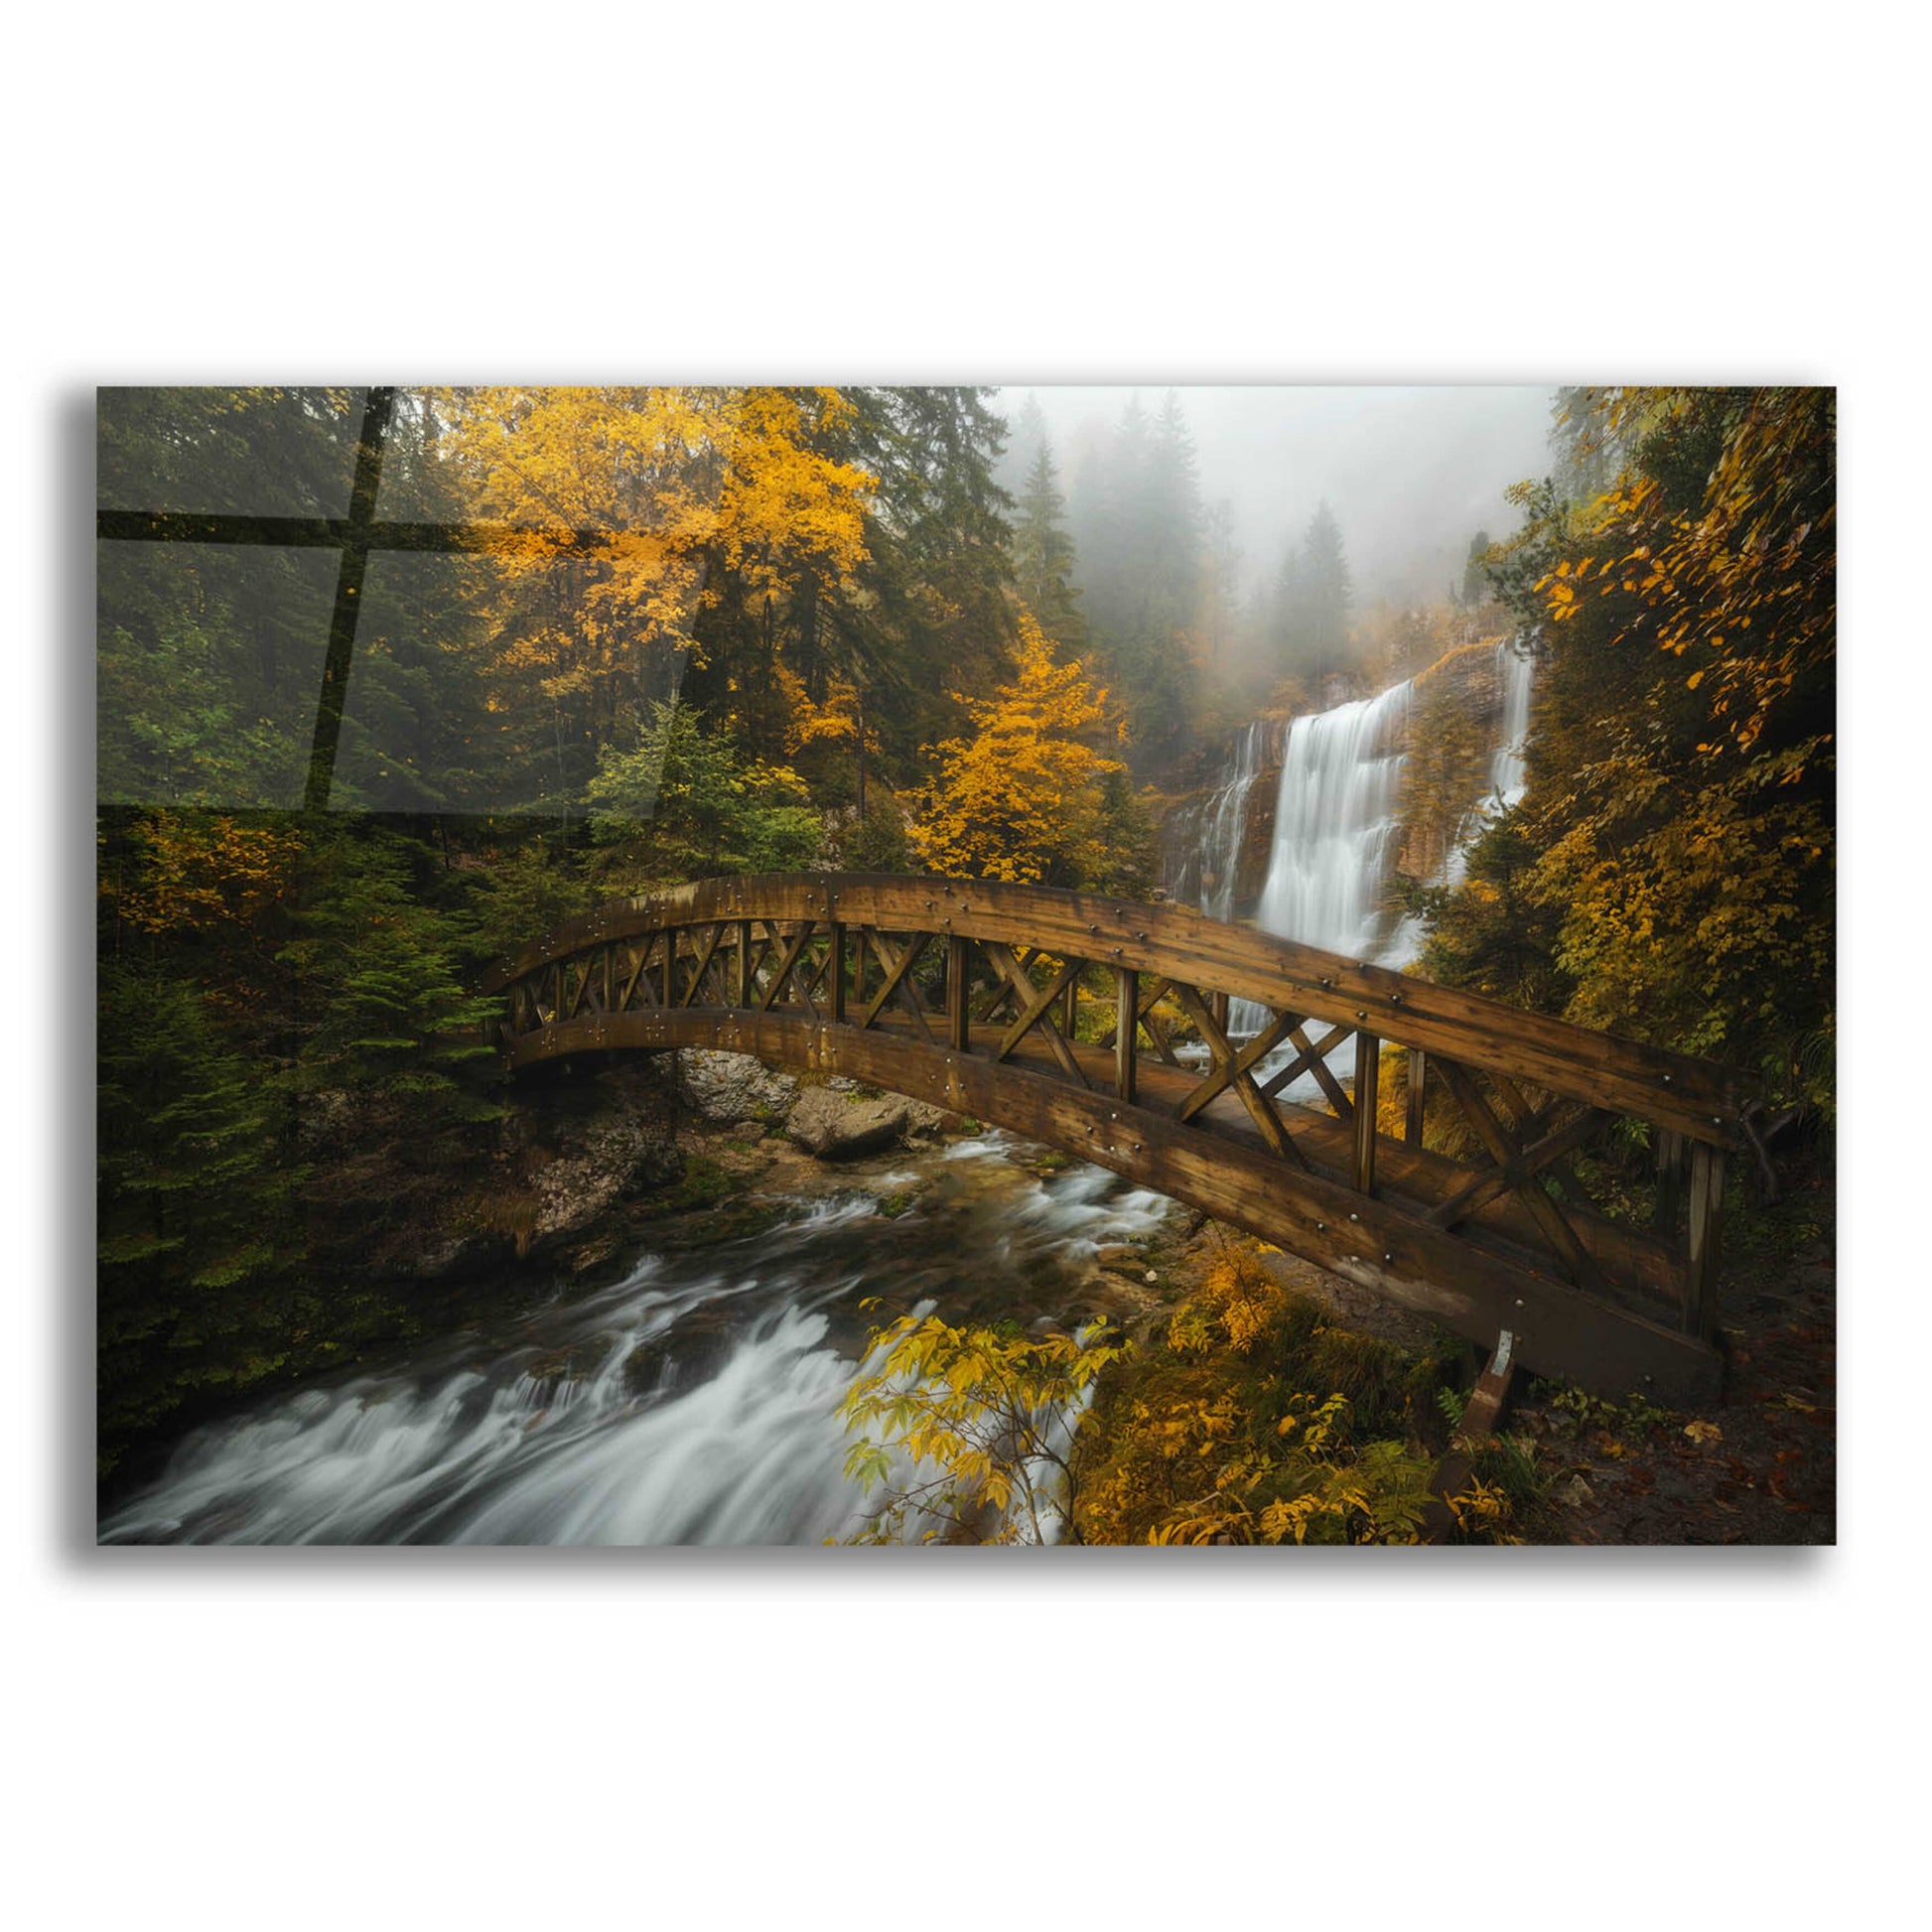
(1336, 817)
(1506, 764)
(1334, 822)
(1203, 856)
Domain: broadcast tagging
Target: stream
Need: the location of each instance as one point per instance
(691, 1401)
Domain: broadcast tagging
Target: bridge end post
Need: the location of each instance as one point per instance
(1707, 1209)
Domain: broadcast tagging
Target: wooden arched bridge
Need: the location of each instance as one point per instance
(1452, 1173)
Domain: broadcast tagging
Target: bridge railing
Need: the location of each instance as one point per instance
(902, 980)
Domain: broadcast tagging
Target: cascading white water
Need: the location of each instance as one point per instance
(1337, 820)
(1507, 770)
(1223, 820)
(1334, 820)
(692, 1402)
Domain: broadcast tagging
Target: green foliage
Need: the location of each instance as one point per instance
(1636, 1414)
(691, 806)
(198, 1220)
(525, 890)
(387, 1015)
(877, 842)
(1043, 556)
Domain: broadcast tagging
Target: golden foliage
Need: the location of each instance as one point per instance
(1218, 1438)
(199, 871)
(975, 1426)
(612, 500)
(1020, 799)
(1744, 583)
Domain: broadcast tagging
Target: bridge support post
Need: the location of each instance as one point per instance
(1418, 1096)
(1670, 1181)
(837, 970)
(1368, 1069)
(1127, 1020)
(958, 1010)
(743, 963)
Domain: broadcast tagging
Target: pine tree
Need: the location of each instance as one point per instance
(1323, 596)
(1043, 556)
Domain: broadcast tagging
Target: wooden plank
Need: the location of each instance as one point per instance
(1156, 1032)
(810, 975)
(1002, 993)
(1500, 1180)
(1368, 1067)
(1314, 1059)
(1418, 1097)
(838, 972)
(744, 990)
(787, 959)
(636, 974)
(1309, 1058)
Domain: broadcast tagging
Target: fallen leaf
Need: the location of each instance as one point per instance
(1703, 1432)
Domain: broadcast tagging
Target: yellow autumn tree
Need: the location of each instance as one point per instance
(1021, 799)
(610, 504)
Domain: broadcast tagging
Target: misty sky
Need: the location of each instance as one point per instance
(1410, 474)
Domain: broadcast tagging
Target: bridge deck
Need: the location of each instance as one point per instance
(936, 989)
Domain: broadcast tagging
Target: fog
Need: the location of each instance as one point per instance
(1410, 474)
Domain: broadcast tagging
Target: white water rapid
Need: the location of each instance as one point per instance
(691, 1402)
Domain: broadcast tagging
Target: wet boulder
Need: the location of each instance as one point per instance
(731, 1089)
(841, 1126)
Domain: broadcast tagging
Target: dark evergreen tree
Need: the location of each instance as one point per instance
(1323, 596)
(1044, 559)
(1475, 583)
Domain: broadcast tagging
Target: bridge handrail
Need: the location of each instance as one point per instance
(1697, 1098)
